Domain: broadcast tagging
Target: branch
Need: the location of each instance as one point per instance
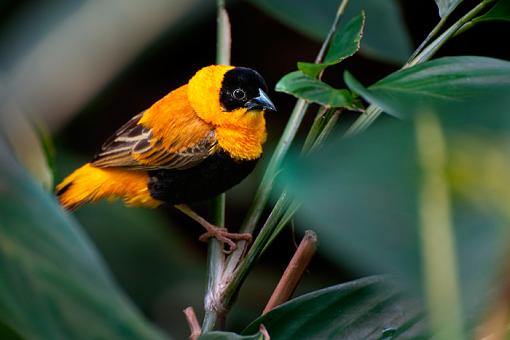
(294, 271)
(215, 256)
(194, 326)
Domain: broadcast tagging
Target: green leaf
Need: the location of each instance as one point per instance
(345, 43)
(368, 308)
(54, 285)
(447, 6)
(500, 11)
(300, 85)
(362, 196)
(470, 88)
(229, 336)
(385, 37)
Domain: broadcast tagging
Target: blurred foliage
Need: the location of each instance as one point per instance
(54, 284)
(26, 144)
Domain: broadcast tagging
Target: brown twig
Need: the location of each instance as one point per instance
(194, 326)
(294, 271)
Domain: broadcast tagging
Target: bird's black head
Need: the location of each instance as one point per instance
(244, 87)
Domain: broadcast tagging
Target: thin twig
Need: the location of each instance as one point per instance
(294, 271)
(194, 326)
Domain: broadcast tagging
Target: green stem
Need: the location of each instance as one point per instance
(215, 255)
(436, 231)
(286, 139)
(317, 125)
(372, 112)
(283, 210)
(237, 267)
(266, 185)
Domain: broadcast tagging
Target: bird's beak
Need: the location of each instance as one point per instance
(262, 102)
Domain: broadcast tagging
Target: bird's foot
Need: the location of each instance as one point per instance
(222, 235)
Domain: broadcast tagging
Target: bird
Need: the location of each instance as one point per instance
(196, 142)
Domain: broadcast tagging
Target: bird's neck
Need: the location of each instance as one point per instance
(243, 141)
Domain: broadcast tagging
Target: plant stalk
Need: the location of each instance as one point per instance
(237, 267)
(215, 255)
(286, 139)
(436, 231)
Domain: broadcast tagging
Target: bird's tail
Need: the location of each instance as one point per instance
(90, 184)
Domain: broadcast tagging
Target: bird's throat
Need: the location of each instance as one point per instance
(244, 140)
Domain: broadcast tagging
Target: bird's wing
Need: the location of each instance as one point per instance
(159, 138)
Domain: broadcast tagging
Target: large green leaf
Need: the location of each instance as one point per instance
(500, 11)
(368, 308)
(386, 36)
(344, 44)
(362, 196)
(472, 88)
(300, 85)
(54, 285)
(447, 6)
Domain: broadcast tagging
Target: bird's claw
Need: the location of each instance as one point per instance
(222, 235)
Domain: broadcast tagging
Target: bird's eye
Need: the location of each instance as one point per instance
(239, 94)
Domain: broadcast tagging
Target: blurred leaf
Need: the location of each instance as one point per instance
(345, 43)
(229, 336)
(385, 38)
(361, 195)
(500, 11)
(8, 333)
(26, 145)
(462, 86)
(54, 285)
(447, 6)
(300, 85)
(367, 308)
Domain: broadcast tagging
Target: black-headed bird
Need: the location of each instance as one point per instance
(193, 144)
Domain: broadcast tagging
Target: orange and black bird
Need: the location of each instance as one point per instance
(193, 144)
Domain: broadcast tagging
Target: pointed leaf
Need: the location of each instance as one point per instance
(472, 87)
(300, 85)
(345, 43)
(54, 285)
(368, 308)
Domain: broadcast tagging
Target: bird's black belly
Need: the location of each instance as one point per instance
(214, 175)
